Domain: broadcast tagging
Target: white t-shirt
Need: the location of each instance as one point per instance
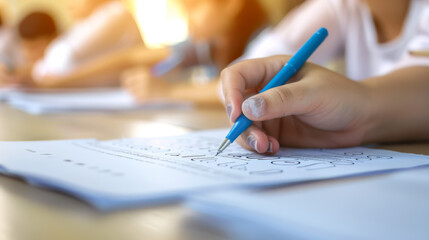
(352, 35)
(110, 28)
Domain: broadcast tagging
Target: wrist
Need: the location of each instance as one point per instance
(398, 105)
(373, 130)
(381, 116)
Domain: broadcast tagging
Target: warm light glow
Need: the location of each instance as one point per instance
(161, 22)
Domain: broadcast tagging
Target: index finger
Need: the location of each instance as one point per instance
(248, 74)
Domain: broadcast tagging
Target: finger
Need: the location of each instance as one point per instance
(272, 129)
(273, 145)
(254, 139)
(238, 78)
(257, 140)
(228, 107)
(290, 99)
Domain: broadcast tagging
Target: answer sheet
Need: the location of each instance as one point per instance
(128, 172)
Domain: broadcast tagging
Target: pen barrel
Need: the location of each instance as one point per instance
(239, 126)
(297, 60)
(281, 78)
(304, 53)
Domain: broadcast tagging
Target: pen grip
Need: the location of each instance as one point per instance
(243, 122)
(288, 70)
(240, 126)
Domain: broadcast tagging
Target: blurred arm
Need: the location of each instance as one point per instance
(113, 64)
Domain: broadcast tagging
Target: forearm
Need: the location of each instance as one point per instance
(400, 106)
(109, 65)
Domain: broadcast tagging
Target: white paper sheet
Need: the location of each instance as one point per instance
(126, 172)
(393, 206)
(60, 101)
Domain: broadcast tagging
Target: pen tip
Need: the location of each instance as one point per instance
(224, 145)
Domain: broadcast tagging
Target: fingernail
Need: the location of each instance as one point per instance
(254, 106)
(228, 111)
(270, 147)
(251, 141)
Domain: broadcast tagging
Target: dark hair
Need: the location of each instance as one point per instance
(37, 24)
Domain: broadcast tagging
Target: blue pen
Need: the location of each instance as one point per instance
(288, 70)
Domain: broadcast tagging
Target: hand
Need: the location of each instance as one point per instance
(143, 86)
(316, 108)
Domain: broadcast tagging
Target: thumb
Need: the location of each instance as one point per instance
(290, 99)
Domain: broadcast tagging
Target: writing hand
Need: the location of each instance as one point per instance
(316, 108)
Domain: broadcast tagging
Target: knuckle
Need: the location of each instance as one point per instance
(225, 73)
(282, 98)
(283, 95)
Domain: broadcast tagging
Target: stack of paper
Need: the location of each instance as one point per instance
(129, 172)
(393, 206)
(60, 101)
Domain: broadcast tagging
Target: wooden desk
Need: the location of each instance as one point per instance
(32, 213)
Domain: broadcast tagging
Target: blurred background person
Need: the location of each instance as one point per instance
(90, 53)
(219, 31)
(24, 45)
(6, 41)
(105, 40)
(6, 30)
